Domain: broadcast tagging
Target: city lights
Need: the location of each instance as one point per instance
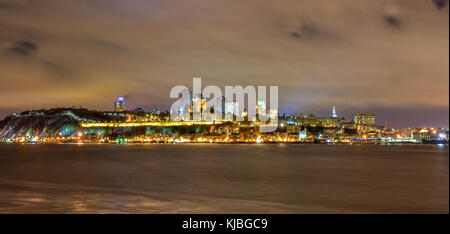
(126, 127)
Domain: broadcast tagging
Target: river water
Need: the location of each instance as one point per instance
(214, 178)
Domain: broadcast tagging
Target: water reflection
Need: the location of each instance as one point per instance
(224, 179)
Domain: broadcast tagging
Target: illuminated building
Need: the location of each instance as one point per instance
(119, 105)
(435, 136)
(313, 121)
(273, 114)
(75, 125)
(302, 135)
(261, 108)
(329, 122)
(293, 129)
(203, 105)
(185, 102)
(364, 119)
(231, 108)
(220, 103)
(198, 104)
(156, 111)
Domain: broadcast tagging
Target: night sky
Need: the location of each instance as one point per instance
(387, 57)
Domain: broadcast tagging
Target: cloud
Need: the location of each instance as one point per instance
(392, 20)
(302, 29)
(23, 48)
(392, 16)
(6, 3)
(440, 4)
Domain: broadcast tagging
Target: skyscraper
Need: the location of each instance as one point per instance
(220, 105)
(261, 108)
(232, 108)
(119, 105)
(197, 103)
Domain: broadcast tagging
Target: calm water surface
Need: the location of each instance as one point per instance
(224, 179)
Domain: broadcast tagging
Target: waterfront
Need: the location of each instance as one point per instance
(213, 178)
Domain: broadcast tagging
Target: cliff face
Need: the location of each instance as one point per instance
(42, 126)
(47, 123)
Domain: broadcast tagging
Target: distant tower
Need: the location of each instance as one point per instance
(119, 106)
(333, 114)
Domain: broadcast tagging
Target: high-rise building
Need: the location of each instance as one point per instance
(364, 119)
(261, 108)
(220, 105)
(119, 105)
(273, 113)
(232, 108)
(197, 103)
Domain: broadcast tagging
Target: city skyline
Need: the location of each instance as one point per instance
(232, 115)
(123, 126)
(385, 57)
(332, 109)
